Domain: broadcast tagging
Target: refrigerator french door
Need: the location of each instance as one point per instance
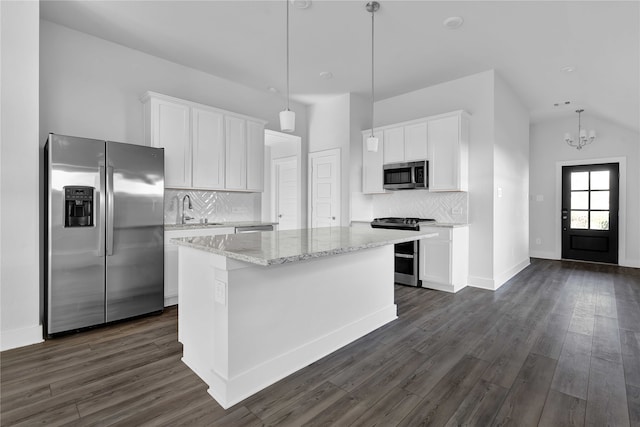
(105, 232)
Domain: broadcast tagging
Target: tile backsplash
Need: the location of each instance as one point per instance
(423, 204)
(215, 206)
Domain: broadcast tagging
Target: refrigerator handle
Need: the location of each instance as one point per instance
(98, 211)
(109, 228)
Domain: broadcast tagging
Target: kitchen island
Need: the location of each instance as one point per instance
(256, 307)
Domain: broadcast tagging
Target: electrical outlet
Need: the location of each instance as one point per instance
(538, 241)
(238, 210)
(220, 292)
(539, 198)
(456, 211)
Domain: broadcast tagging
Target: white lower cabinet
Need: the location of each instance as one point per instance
(171, 258)
(444, 259)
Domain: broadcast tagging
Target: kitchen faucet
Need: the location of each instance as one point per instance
(186, 217)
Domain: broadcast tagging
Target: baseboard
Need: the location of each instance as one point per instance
(543, 255)
(20, 337)
(445, 287)
(228, 392)
(508, 274)
(481, 282)
(170, 300)
(630, 263)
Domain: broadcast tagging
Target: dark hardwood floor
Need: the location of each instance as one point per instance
(558, 345)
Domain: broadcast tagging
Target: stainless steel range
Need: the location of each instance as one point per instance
(406, 254)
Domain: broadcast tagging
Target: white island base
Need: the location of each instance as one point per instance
(244, 326)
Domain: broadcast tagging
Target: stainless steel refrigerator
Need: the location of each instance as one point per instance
(105, 233)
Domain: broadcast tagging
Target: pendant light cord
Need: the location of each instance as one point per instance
(287, 54)
(372, 69)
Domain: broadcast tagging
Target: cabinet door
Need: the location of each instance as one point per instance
(236, 153)
(170, 122)
(394, 145)
(435, 261)
(444, 154)
(372, 165)
(208, 149)
(255, 156)
(415, 142)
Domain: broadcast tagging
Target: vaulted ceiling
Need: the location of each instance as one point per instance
(527, 42)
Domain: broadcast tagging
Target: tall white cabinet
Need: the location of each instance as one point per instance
(205, 147)
(443, 140)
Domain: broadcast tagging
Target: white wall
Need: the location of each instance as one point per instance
(329, 122)
(548, 148)
(511, 184)
(474, 94)
(19, 175)
(91, 87)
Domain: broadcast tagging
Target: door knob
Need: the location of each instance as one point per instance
(333, 218)
(280, 216)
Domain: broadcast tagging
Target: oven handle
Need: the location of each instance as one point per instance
(404, 256)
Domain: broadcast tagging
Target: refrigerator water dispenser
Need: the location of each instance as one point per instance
(78, 206)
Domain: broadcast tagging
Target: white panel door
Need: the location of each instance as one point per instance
(255, 156)
(285, 180)
(171, 131)
(372, 176)
(325, 188)
(394, 145)
(415, 142)
(236, 153)
(208, 149)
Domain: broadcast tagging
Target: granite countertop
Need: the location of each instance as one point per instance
(444, 224)
(195, 225)
(279, 247)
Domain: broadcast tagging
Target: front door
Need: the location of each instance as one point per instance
(590, 212)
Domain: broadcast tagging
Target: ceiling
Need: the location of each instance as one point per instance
(526, 42)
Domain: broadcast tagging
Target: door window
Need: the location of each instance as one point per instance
(590, 200)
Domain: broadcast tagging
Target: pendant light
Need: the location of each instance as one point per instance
(287, 117)
(582, 138)
(372, 141)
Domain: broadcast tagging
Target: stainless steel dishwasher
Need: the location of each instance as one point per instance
(254, 228)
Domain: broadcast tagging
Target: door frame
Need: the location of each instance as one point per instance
(274, 187)
(337, 153)
(622, 203)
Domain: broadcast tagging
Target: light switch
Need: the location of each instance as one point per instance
(499, 191)
(539, 197)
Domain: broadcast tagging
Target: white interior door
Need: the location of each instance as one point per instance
(285, 192)
(325, 188)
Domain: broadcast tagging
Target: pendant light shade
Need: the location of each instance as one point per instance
(372, 144)
(287, 121)
(287, 117)
(372, 141)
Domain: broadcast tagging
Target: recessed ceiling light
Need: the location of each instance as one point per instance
(301, 4)
(568, 69)
(453, 22)
(327, 75)
(272, 89)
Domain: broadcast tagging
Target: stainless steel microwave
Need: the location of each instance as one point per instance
(406, 176)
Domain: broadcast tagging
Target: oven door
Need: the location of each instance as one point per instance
(406, 263)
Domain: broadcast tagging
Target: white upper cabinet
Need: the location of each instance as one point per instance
(394, 145)
(236, 130)
(255, 156)
(415, 142)
(448, 137)
(168, 127)
(205, 147)
(372, 164)
(443, 140)
(208, 149)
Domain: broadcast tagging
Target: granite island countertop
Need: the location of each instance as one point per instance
(196, 225)
(280, 247)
